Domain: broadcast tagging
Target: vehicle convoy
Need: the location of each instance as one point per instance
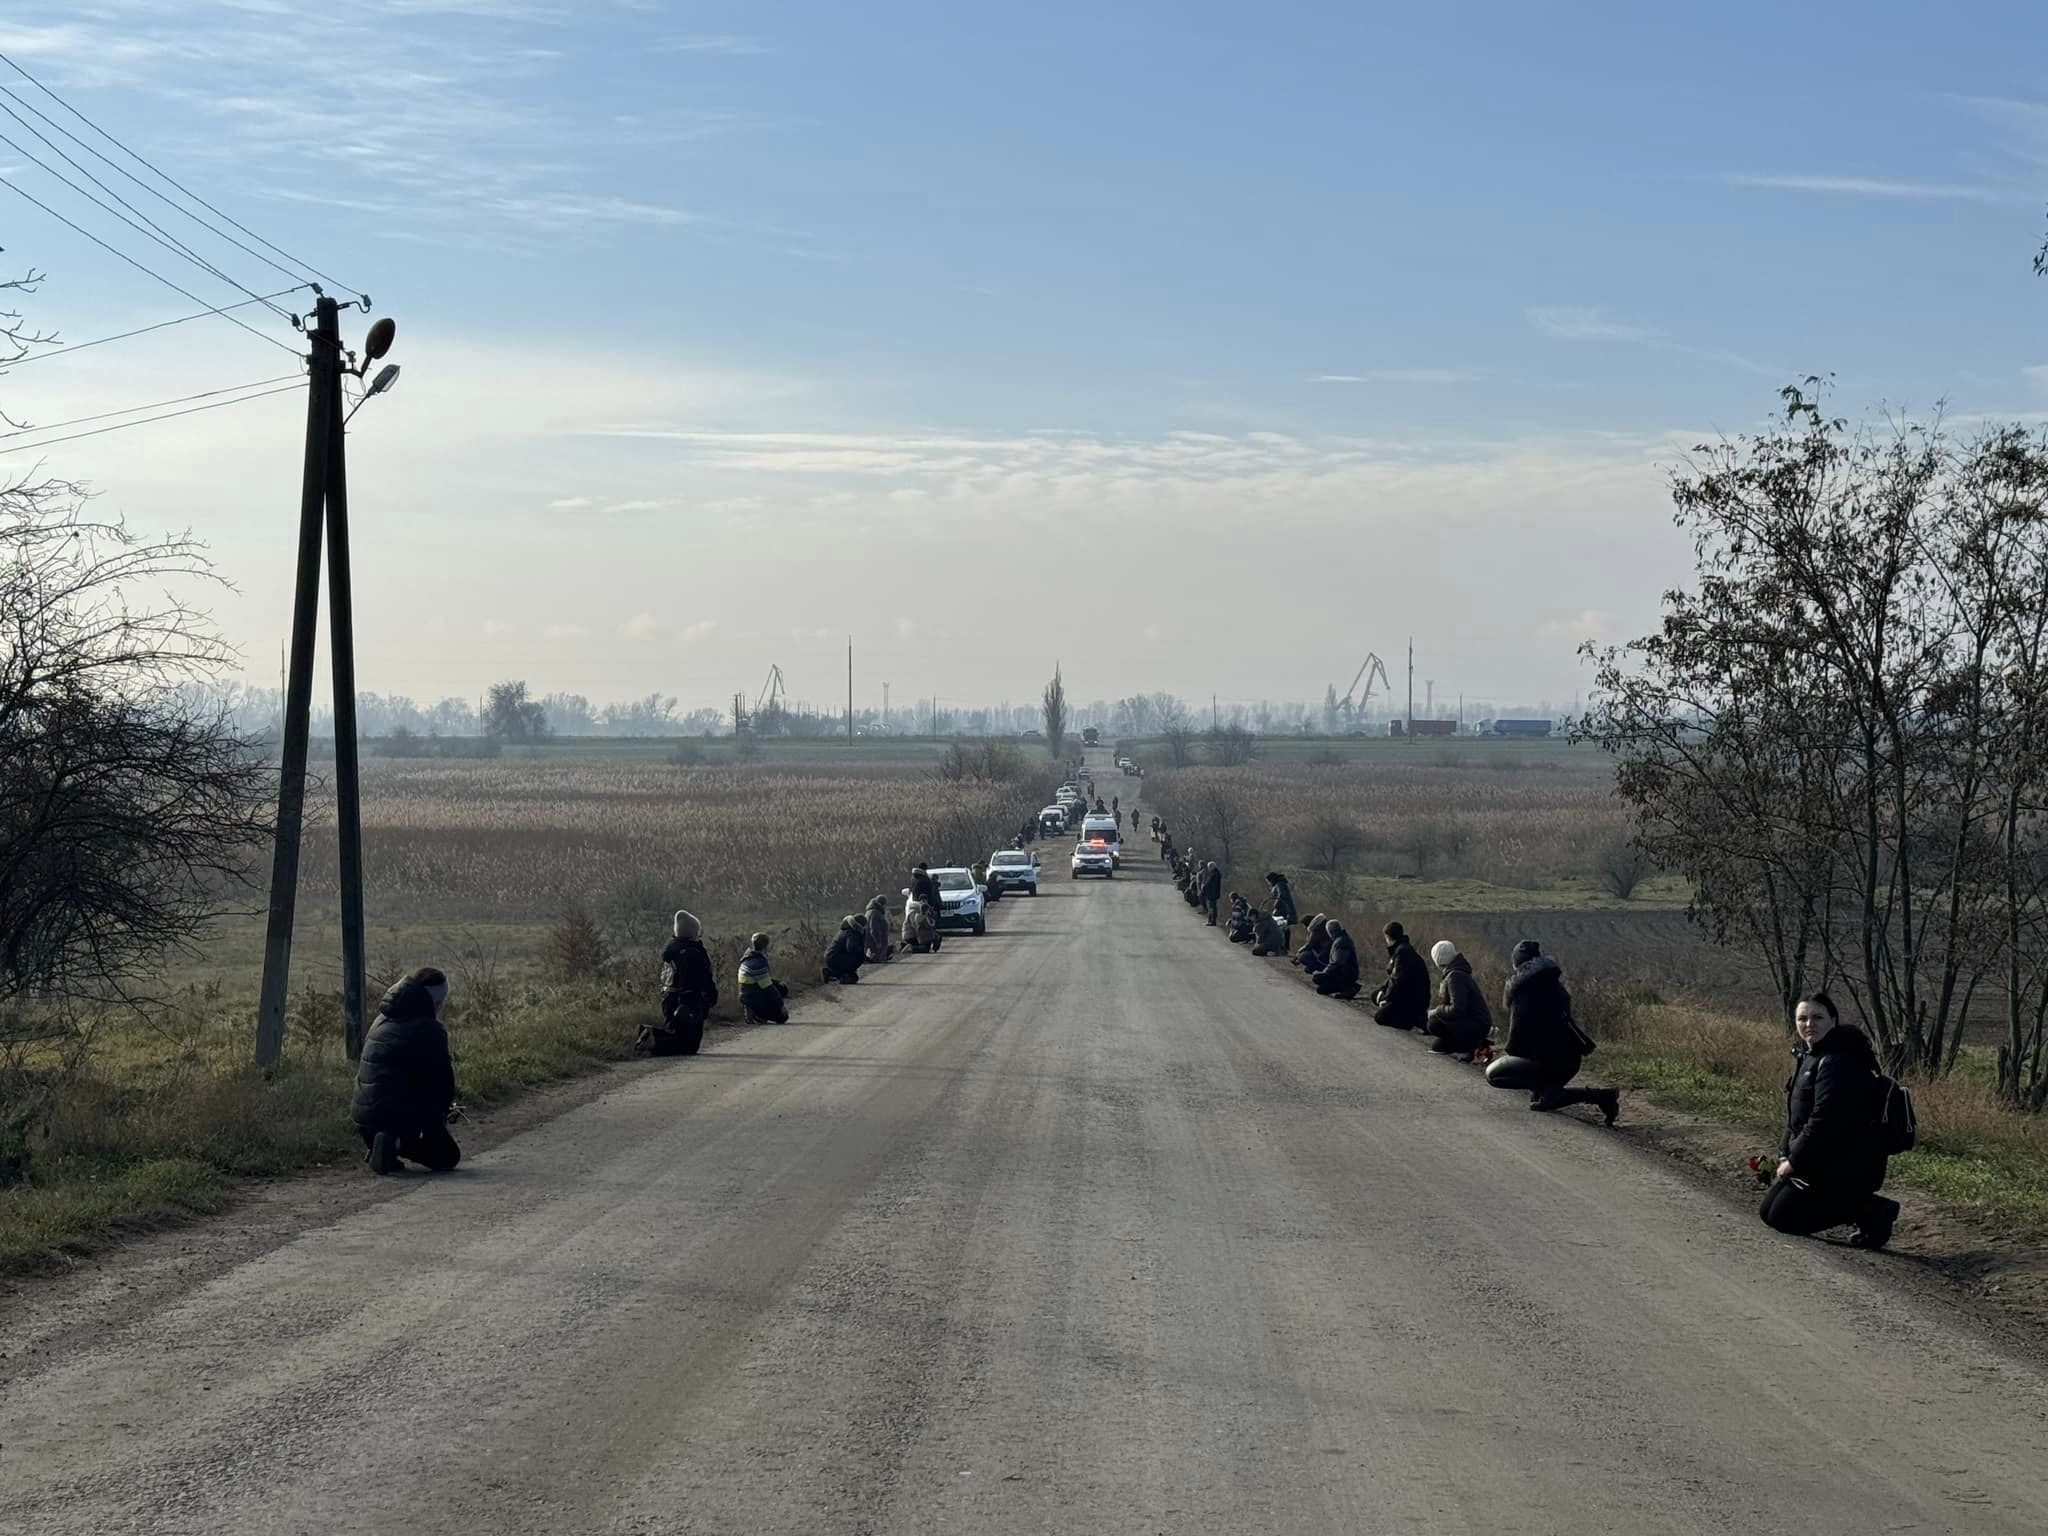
(962, 903)
(1094, 859)
(1104, 830)
(1012, 869)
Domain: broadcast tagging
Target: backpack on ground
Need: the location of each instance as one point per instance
(1898, 1130)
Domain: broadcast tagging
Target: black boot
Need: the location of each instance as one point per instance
(1609, 1101)
(1874, 1229)
(383, 1154)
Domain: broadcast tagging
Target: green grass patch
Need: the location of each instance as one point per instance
(159, 1122)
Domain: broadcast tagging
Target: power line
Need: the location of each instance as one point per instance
(153, 231)
(9, 184)
(60, 349)
(154, 405)
(298, 278)
(145, 421)
(166, 176)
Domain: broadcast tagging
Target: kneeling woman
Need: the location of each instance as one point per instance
(1339, 977)
(1833, 1161)
(843, 959)
(1544, 1046)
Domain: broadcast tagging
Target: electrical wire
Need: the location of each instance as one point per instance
(172, 180)
(162, 237)
(60, 349)
(154, 405)
(9, 183)
(145, 421)
(299, 278)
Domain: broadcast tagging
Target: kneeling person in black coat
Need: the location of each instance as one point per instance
(405, 1083)
(1339, 977)
(1545, 1046)
(1833, 1162)
(688, 993)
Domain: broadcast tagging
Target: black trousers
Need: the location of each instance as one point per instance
(1546, 1079)
(1329, 986)
(764, 1005)
(1801, 1209)
(433, 1149)
(1209, 909)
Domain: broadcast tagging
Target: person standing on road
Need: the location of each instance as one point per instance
(1545, 1045)
(878, 931)
(763, 999)
(1135, 826)
(1116, 806)
(1212, 890)
(1460, 1023)
(1403, 1002)
(688, 993)
(1339, 977)
(1832, 1161)
(1284, 911)
(405, 1082)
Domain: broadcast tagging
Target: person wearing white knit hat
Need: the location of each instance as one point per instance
(1460, 1022)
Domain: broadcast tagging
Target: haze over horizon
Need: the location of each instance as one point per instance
(1202, 352)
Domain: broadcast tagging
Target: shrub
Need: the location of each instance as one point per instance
(575, 948)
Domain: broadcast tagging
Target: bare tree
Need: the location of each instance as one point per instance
(1055, 702)
(1178, 734)
(1332, 842)
(1232, 746)
(128, 803)
(1213, 814)
(1621, 866)
(1829, 732)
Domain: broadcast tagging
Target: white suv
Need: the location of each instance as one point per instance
(1093, 859)
(1012, 870)
(960, 900)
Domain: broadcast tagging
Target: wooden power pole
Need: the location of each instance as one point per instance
(324, 388)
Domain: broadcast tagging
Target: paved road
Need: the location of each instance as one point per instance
(1090, 1225)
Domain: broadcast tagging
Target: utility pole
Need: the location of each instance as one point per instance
(323, 394)
(849, 690)
(885, 709)
(1411, 687)
(348, 804)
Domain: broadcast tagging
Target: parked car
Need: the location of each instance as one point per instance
(1012, 869)
(962, 903)
(1093, 859)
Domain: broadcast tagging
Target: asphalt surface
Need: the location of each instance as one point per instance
(1092, 1224)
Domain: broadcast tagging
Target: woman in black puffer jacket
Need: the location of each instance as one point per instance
(405, 1083)
(1544, 1047)
(1832, 1163)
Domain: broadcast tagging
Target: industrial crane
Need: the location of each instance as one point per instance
(772, 691)
(1371, 668)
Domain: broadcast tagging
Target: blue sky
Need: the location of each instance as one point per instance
(1392, 316)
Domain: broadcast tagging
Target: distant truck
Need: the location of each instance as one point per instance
(1521, 727)
(1091, 737)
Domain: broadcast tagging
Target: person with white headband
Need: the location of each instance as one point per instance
(405, 1083)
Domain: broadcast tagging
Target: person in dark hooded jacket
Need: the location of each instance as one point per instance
(849, 949)
(1339, 978)
(1461, 1022)
(688, 993)
(1283, 909)
(1314, 953)
(1211, 891)
(1239, 930)
(1832, 1163)
(405, 1082)
(1403, 1001)
(1544, 1046)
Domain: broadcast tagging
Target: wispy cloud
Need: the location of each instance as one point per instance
(716, 42)
(1572, 322)
(642, 626)
(1869, 186)
(1404, 376)
(1569, 322)
(569, 503)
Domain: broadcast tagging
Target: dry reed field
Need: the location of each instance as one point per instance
(511, 841)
